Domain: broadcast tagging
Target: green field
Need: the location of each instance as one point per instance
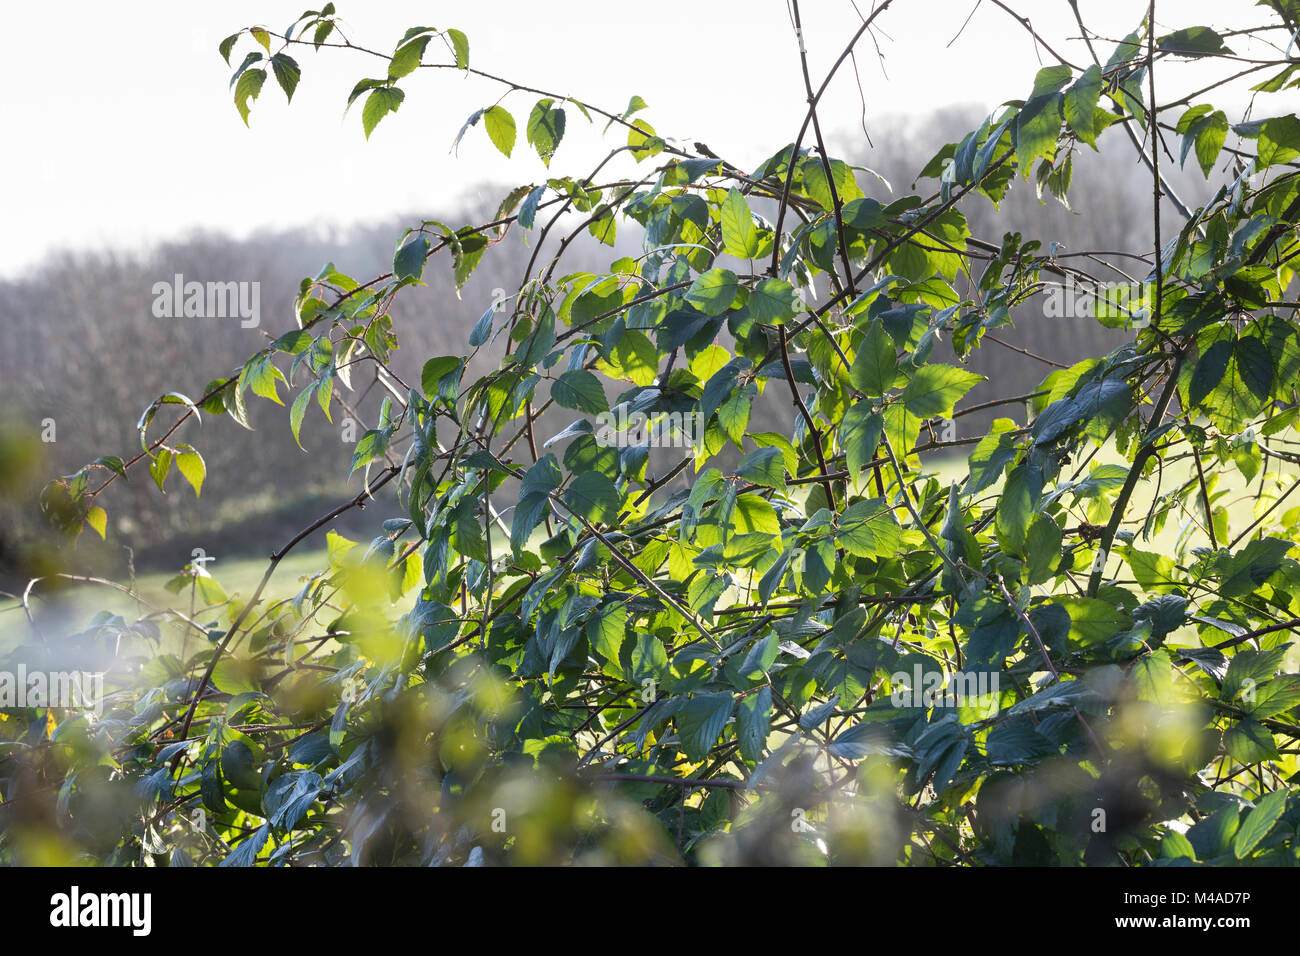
(72, 607)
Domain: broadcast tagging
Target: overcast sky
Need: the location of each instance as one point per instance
(122, 129)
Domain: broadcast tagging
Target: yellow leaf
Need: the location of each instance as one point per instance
(97, 518)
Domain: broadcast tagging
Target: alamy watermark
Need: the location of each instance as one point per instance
(624, 429)
(208, 300)
(76, 690)
(75, 909)
(935, 688)
(1130, 303)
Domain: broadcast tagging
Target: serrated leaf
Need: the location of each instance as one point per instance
(868, 529)
(700, 721)
(860, 435)
(764, 467)
(714, 291)
(191, 466)
(460, 46)
(753, 723)
(500, 128)
(407, 57)
(934, 389)
(593, 496)
(97, 518)
(408, 262)
(545, 129)
(380, 102)
(1081, 105)
(298, 411)
(287, 73)
(739, 234)
(579, 390)
(876, 365)
(1258, 823)
(248, 88)
(774, 302)
(159, 466)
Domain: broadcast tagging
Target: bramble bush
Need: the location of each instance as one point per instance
(736, 646)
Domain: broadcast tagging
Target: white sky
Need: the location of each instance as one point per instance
(122, 130)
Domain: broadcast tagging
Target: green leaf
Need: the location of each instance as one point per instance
(606, 630)
(1081, 105)
(466, 254)
(593, 496)
(245, 854)
(1050, 79)
(1037, 127)
(632, 357)
(1258, 823)
(260, 375)
(1042, 548)
(580, 390)
(1249, 742)
(113, 463)
(380, 102)
(642, 141)
(287, 73)
(226, 46)
(1209, 137)
(764, 467)
(248, 88)
(298, 411)
(753, 723)
(700, 722)
(714, 291)
(460, 45)
(191, 466)
(774, 302)
(1275, 697)
(1175, 846)
(1017, 507)
(739, 234)
(864, 214)
(408, 263)
(97, 518)
(371, 446)
(868, 529)
(1279, 141)
(1209, 370)
(733, 414)
(160, 465)
(1248, 669)
(1092, 620)
(875, 366)
(527, 516)
(759, 658)
(500, 128)
(860, 435)
(754, 514)
(545, 129)
(1193, 42)
(322, 33)
(901, 429)
(407, 58)
(234, 677)
(1212, 836)
(934, 389)
(991, 456)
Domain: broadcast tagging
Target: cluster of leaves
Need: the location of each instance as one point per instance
(562, 652)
